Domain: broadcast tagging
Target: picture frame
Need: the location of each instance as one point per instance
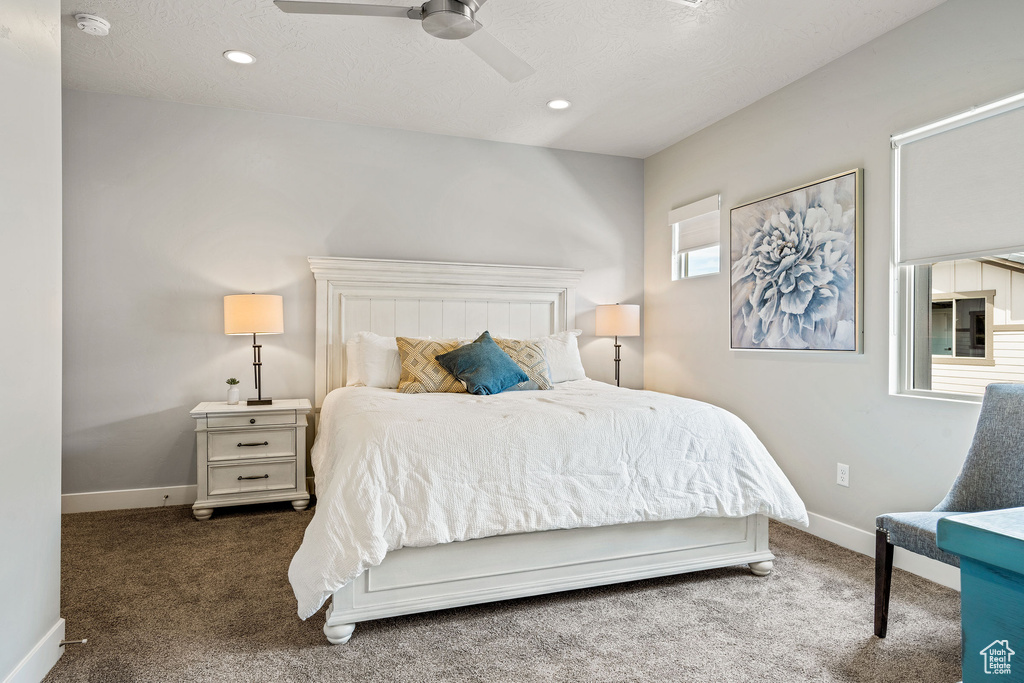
(796, 268)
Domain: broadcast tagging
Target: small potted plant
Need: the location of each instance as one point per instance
(232, 391)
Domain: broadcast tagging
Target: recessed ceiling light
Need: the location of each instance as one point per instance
(239, 57)
(559, 104)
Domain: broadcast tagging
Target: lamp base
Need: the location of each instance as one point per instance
(259, 401)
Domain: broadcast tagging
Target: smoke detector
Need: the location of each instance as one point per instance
(93, 25)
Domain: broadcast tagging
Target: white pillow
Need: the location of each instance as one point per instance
(372, 361)
(563, 356)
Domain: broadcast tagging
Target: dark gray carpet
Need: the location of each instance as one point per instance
(162, 597)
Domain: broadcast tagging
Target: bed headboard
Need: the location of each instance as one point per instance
(423, 298)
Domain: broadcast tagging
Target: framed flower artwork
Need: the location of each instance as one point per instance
(796, 268)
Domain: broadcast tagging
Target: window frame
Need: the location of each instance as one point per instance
(904, 296)
(681, 260)
(989, 296)
(690, 212)
(906, 301)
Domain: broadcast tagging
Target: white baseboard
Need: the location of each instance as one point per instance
(125, 499)
(38, 662)
(863, 542)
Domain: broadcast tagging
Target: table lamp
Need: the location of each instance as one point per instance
(618, 320)
(254, 314)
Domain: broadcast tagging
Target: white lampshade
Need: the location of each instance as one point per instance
(253, 314)
(618, 320)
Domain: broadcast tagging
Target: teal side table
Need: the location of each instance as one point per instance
(991, 550)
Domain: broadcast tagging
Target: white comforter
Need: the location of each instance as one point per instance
(395, 470)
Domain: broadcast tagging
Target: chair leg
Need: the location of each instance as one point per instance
(883, 580)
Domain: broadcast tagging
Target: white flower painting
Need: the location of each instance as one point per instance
(795, 263)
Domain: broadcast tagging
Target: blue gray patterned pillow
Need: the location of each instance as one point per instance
(483, 366)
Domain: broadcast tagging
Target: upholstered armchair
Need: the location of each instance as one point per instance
(992, 478)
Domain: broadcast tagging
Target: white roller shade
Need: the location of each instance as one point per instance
(961, 186)
(696, 225)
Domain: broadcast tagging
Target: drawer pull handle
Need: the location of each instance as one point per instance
(246, 445)
(265, 476)
(252, 420)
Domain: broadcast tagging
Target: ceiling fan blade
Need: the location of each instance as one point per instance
(304, 7)
(500, 58)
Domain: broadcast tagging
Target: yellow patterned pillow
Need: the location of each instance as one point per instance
(530, 357)
(421, 373)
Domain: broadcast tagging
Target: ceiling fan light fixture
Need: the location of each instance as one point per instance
(449, 19)
(445, 19)
(239, 57)
(559, 104)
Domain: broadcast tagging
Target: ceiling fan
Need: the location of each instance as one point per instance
(446, 19)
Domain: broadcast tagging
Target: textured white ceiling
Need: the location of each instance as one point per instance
(641, 74)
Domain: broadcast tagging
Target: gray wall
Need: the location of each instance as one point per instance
(814, 410)
(30, 363)
(169, 207)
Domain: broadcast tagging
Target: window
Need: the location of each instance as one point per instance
(959, 252)
(696, 238)
(966, 339)
(704, 261)
(960, 328)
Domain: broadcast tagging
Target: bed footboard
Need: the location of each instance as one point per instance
(413, 580)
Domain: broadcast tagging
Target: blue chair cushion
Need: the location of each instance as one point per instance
(483, 366)
(915, 531)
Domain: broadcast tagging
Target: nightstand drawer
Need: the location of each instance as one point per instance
(269, 476)
(250, 443)
(284, 417)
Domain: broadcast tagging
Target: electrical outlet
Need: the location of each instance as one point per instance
(842, 474)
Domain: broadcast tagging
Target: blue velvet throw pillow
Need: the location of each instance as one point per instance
(483, 366)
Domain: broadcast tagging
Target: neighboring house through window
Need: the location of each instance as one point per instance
(696, 238)
(976, 335)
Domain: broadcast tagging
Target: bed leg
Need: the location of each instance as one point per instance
(338, 634)
(761, 568)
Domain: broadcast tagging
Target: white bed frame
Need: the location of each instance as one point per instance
(414, 298)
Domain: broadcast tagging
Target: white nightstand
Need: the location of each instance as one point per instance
(250, 454)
